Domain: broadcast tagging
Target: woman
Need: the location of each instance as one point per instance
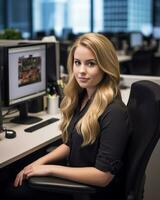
(95, 125)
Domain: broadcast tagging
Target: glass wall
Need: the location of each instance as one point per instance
(64, 16)
(19, 16)
(140, 16)
(16, 14)
(115, 15)
(2, 18)
(61, 17)
(156, 15)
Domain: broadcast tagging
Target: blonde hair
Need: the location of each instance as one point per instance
(107, 89)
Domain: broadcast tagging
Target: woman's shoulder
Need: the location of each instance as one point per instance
(115, 109)
(116, 104)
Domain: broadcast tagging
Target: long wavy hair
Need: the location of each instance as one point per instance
(107, 89)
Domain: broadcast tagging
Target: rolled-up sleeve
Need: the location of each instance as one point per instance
(114, 125)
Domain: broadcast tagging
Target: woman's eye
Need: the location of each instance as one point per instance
(91, 64)
(77, 63)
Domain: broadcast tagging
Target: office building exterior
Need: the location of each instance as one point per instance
(127, 15)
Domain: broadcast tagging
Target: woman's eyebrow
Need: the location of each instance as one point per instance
(88, 60)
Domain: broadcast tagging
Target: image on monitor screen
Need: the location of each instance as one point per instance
(29, 70)
(25, 77)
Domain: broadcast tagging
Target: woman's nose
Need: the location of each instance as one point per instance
(82, 68)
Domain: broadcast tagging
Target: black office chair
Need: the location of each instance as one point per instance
(141, 63)
(144, 110)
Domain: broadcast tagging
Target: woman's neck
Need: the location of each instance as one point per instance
(86, 98)
(90, 92)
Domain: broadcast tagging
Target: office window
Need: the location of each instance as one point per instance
(64, 16)
(139, 15)
(2, 8)
(127, 15)
(98, 22)
(61, 14)
(156, 13)
(115, 15)
(19, 16)
(79, 15)
(49, 15)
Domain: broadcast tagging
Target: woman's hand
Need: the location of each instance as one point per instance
(32, 170)
(22, 175)
(37, 168)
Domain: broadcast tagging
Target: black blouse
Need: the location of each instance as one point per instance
(106, 153)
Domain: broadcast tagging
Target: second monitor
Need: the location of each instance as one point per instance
(24, 77)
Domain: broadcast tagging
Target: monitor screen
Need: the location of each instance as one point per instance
(25, 74)
(156, 32)
(136, 40)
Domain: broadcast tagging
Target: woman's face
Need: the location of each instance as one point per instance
(85, 69)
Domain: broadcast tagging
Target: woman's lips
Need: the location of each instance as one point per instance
(82, 79)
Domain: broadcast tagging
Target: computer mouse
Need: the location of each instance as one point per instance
(10, 134)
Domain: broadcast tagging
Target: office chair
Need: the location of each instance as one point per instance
(141, 63)
(144, 111)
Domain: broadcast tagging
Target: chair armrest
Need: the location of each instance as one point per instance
(59, 185)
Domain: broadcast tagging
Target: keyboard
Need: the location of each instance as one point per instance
(41, 125)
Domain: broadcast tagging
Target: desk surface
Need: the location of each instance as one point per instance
(26, 143)
(124, 58)
(125, 95)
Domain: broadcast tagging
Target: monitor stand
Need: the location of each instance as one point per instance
(23, 117)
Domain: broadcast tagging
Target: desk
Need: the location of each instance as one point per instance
(125, 95)
(26, 143)
(124, 58)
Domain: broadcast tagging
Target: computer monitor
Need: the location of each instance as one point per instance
(64, 51)
(52, 59)
(24, 77)
(156, 32)
(156, 35)
(136, 39)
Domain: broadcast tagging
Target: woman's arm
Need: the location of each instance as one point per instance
(86, 175)
(59, 153)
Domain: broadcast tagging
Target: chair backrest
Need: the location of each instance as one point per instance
(144, 110)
